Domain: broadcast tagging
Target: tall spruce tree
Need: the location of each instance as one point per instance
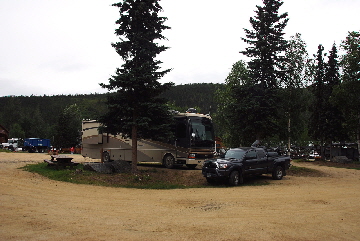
(334, 119)
(267, 48)
(135, 110)
(318, 116)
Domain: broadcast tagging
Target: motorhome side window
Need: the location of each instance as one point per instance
(181, 130)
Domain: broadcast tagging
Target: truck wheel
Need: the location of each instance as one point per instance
(278, 173)
(235, 178)
(106, 156)
(169, 161)
(210, 180)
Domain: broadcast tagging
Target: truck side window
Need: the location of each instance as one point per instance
(251, 155)
(261, 153)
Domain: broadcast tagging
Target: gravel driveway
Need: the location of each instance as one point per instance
(295, 208)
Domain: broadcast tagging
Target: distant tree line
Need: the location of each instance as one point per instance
(51, 116)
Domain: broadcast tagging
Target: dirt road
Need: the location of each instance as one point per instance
(295, 208)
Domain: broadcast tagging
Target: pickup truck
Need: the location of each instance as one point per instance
(240, 162)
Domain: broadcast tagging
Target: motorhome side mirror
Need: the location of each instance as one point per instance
(222, 153)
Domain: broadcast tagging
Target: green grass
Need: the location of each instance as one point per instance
(300, 170)
(300, 160)
(145, 179)
(352, 165)
(65, 175)
(5, 150)
(352, 168)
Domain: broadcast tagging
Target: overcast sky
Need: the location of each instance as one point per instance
(64, 47)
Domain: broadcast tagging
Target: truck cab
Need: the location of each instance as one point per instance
(11, 145)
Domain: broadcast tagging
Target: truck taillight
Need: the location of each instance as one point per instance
(191, 156)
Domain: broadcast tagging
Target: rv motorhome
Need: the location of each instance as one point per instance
(193, 143)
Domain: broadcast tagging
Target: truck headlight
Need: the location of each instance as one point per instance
(223, 165)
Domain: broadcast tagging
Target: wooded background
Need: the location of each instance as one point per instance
(51, 116)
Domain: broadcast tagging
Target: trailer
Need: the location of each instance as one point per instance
(36, 145)
(193, 143)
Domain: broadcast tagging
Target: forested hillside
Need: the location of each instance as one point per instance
(38, 116)
(199, 96)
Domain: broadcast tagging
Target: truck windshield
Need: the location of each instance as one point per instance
(237, 154)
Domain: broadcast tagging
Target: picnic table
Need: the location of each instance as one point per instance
(61, 161)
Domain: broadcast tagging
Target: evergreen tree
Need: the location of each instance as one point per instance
(318, 116)
(266, 66)
(135, 109)
(249, 114)
(334, 118)
(268, 44)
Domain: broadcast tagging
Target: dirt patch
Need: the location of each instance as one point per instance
(319, 207)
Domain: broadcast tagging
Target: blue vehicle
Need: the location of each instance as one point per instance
(36, 145)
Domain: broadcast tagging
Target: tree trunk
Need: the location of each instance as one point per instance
(289, 138)
(322, 149)
(331, 150)
(358, 137)
(134, 149)
(134, 142)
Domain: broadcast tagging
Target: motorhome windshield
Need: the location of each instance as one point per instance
(202, 129)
